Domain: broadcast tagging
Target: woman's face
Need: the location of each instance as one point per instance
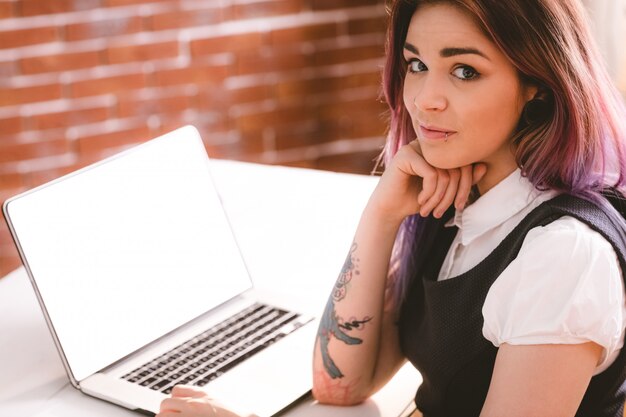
(460, 85)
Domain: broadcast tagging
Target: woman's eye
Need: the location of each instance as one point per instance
(465, 73)
(415, 65)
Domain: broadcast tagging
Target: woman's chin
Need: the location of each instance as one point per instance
(441, 161)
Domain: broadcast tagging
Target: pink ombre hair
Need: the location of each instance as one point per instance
(578, 145)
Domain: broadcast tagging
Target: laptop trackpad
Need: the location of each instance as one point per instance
(272, 379)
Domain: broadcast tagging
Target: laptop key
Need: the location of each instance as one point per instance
(214, 351)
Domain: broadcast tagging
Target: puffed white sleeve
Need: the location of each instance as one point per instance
(564, 287)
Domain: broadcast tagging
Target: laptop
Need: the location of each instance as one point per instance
(143, 286)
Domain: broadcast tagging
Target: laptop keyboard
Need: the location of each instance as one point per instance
(210, 354)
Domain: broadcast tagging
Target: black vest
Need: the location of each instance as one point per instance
(441, 321)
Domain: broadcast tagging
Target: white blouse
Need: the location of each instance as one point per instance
(564, 287)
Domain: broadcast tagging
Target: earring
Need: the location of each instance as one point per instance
(536, 110)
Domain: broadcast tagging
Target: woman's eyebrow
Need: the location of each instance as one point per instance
(411, 48)
(449, 52)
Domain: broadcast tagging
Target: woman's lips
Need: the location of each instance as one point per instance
(435, 133)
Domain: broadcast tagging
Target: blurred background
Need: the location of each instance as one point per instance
(290, 82)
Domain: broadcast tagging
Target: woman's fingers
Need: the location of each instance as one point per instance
(443, 179)
(465, 186)
(478, 172)
(452, 186)
(418, 167)
(426, 189)
(188, 391)
(175, 405)
(450, 193)
(429, 188)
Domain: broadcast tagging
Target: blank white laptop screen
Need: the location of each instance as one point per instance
(126, 251)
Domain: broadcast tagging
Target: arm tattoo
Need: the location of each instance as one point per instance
(354, 324)
(333, 325)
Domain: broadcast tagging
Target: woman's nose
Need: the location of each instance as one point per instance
(430, 95)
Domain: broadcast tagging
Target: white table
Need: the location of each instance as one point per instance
(294, 227)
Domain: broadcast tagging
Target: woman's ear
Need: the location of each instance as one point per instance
(539, 105)
(531, 92)
(534, 91)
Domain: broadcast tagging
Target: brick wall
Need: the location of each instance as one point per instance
(290, 82)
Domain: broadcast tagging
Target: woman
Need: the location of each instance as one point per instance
(472, 259)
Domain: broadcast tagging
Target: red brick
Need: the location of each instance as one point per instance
(4, 228)
(32, 150)
(341, 4)
(352, 108)
(352, 54)
(227, 151)
(266, 8)
(11, 125)
(103, 28)
(258, 121)
(5, 241)
(303, 33)
(8, 69)
(354, 119)
(146, 52)
(231, 43)
(6, 193)
(7, 9)
(9, 96)
(252, 94)
(23, 37)
(365, 122)
(369, 125)
(361, 162)
(290, 140)
(212, 122)
(113, 3)
(253, 62)
(61, 62)
(185, 18)
(70, 118)
(242, 150)
(5, 237)
(169, 125)
(213, 98)
(133, 106)
(216, 98)
(302, 88)
(108, 85)
(9, 259)
(297, 88)
(101, 143)
(37, 7)
(196, 74)
(11, 180)
(38, 177)
(369, 25)
(302, 135)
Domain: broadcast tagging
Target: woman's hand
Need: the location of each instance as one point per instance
(410, 185)
(187, 401)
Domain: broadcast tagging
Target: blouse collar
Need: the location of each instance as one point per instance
(500, 203)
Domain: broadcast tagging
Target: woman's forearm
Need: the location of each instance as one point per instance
(357, 347)
(349, 337)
